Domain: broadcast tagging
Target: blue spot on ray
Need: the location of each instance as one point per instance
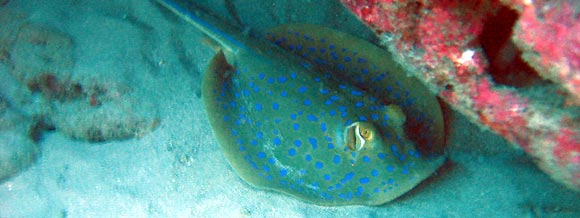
(330, 146)
(282, 79)
(313, 142)
(293, 116)
(336, 159)
(329, 139)
(364, 180)
(312, 117)
(296, 126)
(318, 165)
(323, 127)
(283, 172)
(381, 156)
(347, 177)
(405, 170)
(366, 159)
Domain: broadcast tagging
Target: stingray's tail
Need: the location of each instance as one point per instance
(218, 31)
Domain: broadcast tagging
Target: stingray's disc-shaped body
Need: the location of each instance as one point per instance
(286, 126)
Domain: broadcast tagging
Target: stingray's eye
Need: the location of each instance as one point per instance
(357, 135)
(365, 132)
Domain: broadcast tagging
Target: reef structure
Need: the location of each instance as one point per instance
(486, 76)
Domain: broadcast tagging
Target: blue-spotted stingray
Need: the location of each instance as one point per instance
(318, 114)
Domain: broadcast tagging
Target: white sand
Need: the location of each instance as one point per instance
(179, 171)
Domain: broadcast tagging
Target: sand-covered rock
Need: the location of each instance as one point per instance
(114, 112)
(17, 149)
(81, 102)
(38, 51)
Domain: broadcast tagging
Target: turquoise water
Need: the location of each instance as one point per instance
(133, 59)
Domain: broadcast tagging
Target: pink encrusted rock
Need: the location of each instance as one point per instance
(440, 42)
(548, 33)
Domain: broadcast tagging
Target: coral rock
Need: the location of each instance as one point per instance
(440, 41)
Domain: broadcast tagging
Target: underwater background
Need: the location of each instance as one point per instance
(102, 116)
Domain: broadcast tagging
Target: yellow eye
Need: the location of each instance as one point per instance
(358, 135)
(366, 133)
